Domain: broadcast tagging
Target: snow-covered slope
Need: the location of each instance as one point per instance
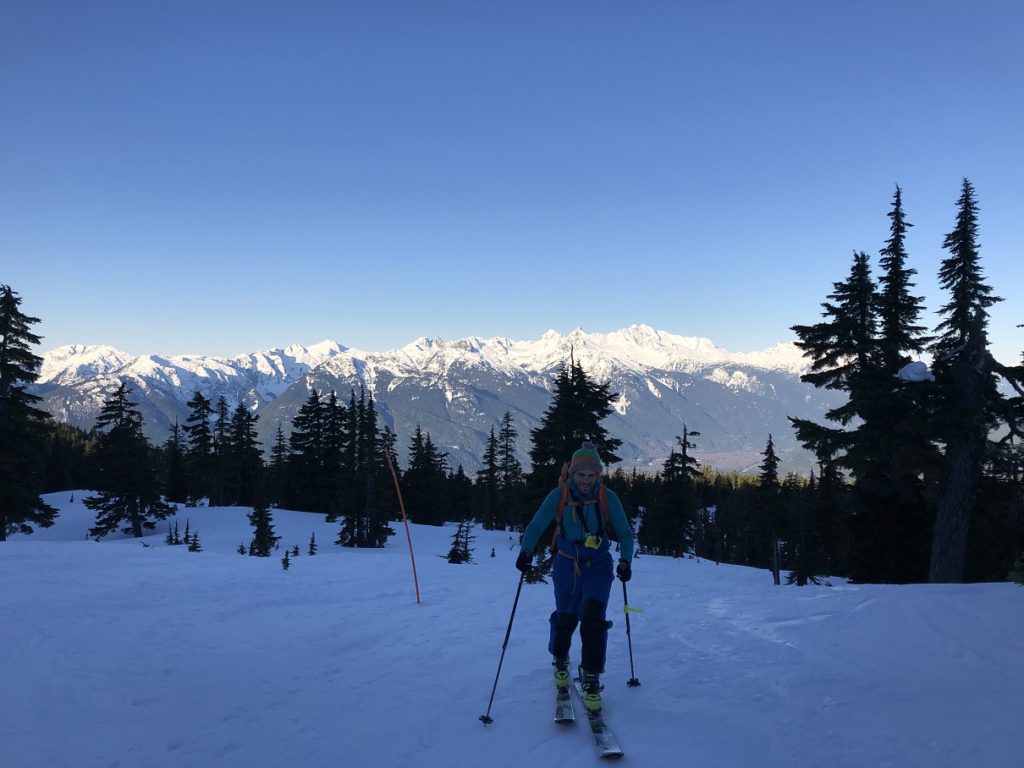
(117, 653)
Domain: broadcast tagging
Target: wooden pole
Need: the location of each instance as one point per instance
(405, 519)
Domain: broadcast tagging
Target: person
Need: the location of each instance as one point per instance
(582, 569)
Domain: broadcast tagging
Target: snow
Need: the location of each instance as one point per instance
(638, 348)
(117, 654)
(915, 372)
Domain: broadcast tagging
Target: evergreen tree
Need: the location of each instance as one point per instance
(971, 406)
(312, 544)
(512, 512)
(424, 482)
(277, 472)
(128, 490)
(368, 477)
(459, 495)
(242, 457)
(899, 311)
(175, 478)
(771, 507)
(22, 426)
(68, 460)
(199, 453)
(461, 550)
(307, 455)
(221, 458)
(487, 484)
(668, 521)
(263, 538)
(578, 406)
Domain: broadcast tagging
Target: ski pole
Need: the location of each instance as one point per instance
(632, 682)
(486, 719)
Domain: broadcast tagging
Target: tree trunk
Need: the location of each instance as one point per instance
(957, 494)
(962, 469)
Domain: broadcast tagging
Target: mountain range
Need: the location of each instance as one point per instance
(457, 391)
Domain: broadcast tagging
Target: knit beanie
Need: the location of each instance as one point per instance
(586, 458)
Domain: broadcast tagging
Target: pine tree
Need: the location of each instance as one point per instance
(461, 550)
(891, 455)
(512, 512)
(199, 453)
(277, 472)
(459, 495)
(175, 478)
(899, 311)
(578, 406)
(221, 453)
(242, 457)
(128, 490)
(194, 545)
(312, 544)
(307, 455)
(971, 406)
(668, 521)
(285, 561)
(22, 426)
(365, 456)
(487, 484)
(771, 508)
(263, 538)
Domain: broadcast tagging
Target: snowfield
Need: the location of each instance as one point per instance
(119, 655)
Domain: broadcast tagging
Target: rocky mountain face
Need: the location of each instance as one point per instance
(457, 391)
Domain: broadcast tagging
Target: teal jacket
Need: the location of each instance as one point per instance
(573, 529)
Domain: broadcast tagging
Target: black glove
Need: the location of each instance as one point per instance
(624, 570)
(524, 562)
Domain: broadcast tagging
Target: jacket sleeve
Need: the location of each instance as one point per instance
(617, 517)
(543, 516)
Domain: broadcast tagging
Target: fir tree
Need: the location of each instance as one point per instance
(971, 406)
(175, 477)
(771, 507)
(242, 457)
(194, 545)
(263, 538)
(312, 544)
(578, 406)
(487, 484)
(307, 455)
(277, 472)
(366, 455)
(221, 453)
(461, 550)
(285, 561)
(199, 452)
(22, 426)
(511, 509)
(668, 520)
(128, 490)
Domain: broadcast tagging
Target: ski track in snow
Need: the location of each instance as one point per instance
(122, 656)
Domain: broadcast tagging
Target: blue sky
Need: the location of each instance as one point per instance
(221, 177)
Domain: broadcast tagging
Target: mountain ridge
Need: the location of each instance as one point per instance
(457, 390)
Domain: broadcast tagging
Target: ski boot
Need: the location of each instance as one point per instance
(591, 685)
(561, 666)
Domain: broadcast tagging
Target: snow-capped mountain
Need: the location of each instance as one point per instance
(457, 391)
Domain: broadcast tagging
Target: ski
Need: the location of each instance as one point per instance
(604, 740)
(564, 713)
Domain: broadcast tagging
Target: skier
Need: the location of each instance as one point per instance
(581, 510)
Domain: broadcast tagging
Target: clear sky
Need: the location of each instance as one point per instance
(218, 177)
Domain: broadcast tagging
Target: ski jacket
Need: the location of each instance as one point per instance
(578, 521)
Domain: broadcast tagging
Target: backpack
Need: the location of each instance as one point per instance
(564, 501)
